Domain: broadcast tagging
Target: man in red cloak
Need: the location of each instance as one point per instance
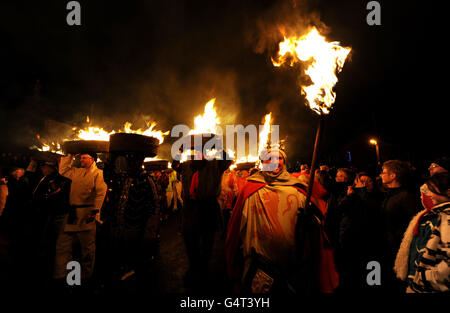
(260, 244)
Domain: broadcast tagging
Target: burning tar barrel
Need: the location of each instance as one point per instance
(85, 146)
(124, 142)
(245, 166)
(45, 156)
(156, 165)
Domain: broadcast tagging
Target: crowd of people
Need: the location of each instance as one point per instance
(278, 238)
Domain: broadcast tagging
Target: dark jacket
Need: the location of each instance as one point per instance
(50, 203)
(204, 209)
(51, 195)
(398, 208)
(334, 212)
(359, 237)
(130, 202)
(18, 202)
(209, 177)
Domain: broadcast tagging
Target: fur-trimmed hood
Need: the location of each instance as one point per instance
(401, 261)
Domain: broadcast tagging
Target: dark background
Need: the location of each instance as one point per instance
(163, 60)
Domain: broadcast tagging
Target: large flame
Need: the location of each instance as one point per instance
(263, 141)
(326, 60)
(264, 133)
(208, 122)
(99, 133)
(93, 133)
(146, 132)
(54, 147)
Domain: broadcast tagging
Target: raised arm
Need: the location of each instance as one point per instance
(65, 166)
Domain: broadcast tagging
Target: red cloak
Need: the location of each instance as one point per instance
(328, 275)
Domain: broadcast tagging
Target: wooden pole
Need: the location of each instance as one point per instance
(314, 161)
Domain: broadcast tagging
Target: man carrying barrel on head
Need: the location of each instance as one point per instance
(201, 179)
(87, 193)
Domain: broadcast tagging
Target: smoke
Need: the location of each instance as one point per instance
(288, 106)
(164, 61)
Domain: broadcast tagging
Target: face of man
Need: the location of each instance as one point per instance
(369, 183)
(387, 177)
(18, 173)
(47, 170)
(86, 161)
(275, 159)
(341, 177)
(364, 181)
(436, 168)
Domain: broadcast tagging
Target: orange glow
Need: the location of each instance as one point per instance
(325, 59)
(208, 122)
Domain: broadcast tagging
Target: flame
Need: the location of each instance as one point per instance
(263, 141)
(326, 60)
(187, 154)
(54, 147)
(93, 133)
(149, 159)
(146, 132)
(208, 122)
(264, 134)
(99, 133)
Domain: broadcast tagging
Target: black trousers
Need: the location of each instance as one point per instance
(199, 223)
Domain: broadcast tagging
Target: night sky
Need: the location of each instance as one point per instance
(163, 60)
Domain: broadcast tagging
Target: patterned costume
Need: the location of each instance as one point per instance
(263, 227)
(131, 215)
(423, 259)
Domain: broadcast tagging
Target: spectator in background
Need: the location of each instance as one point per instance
(324, 177)
(338, 192)
(398, 207)
(17, 212)
(17, 222)
(423, 257)
(440, 165)
(304, 169)
(359, 235)
(50, 206)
